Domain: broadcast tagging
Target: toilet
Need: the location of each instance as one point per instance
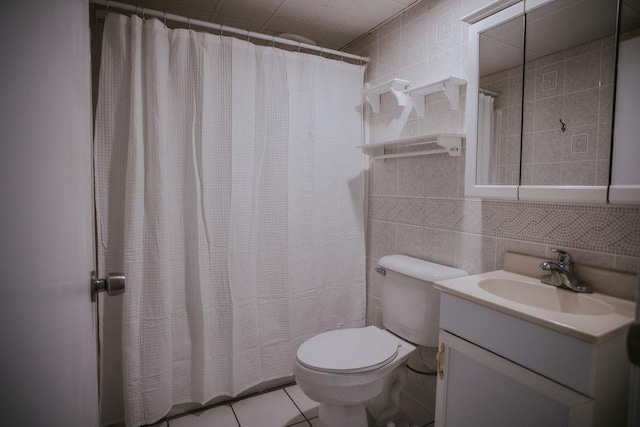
(357, 374)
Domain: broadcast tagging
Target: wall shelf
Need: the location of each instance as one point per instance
(450, 143)
(395, 86)
(450, 86)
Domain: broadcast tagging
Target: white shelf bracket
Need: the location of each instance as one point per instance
(374, 100)
(452, 90)
(395, 86)
(450, 86)
(418, 103)
(401, 98)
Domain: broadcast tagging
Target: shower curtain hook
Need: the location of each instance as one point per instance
(189, 22)
(248, 37)
(299, 45)
(143, 16)
(221, 30)
(107, 7)
(321, 51)
(273, 40)
(165, 18)
(342, 56)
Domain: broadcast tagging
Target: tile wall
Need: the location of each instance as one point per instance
(417, 205)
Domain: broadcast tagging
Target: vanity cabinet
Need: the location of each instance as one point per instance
(480, 388)
(500, 370)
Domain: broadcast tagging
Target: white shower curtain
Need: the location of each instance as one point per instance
(487, 144)
(230, 192)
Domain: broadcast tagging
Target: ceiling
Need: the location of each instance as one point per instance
(629, 15)
(330, 23)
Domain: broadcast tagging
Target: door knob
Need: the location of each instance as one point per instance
(113, 285)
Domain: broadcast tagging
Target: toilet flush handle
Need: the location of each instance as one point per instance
(381, 270)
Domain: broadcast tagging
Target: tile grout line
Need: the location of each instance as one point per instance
(228, 402)
(234, 414)
(296, 405)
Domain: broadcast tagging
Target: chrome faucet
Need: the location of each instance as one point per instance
(562, 273)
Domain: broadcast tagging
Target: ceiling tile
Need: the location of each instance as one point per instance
(205, 5)
(334, 23)
(169, 7)
(331, 23)
(629, 17)
(257, 12)
(405, 3)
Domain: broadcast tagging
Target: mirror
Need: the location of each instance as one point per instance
(500, 103)
(494, 94)
(552, 94)
(568, 100)
(625, 176)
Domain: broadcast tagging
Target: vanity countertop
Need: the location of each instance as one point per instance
(612, 314)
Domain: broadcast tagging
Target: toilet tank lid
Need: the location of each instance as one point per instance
(420, 269)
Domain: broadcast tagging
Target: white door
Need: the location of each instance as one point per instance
(48, 369)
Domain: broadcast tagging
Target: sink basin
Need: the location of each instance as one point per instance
(588, 317)
(545, 297)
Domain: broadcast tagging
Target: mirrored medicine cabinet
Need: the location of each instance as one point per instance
(540, 103)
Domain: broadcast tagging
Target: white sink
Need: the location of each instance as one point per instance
(546, 297)
(589, 317)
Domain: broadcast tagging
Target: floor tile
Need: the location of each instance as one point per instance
(220, 416)
(308, 407)
(273, 409)
(301, 424)
(418, 414)
(315, 422)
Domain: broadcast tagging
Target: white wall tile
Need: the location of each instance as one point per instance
(419, 9)
(475, 254)
(389, 53)
(414, 46)
(445, 27)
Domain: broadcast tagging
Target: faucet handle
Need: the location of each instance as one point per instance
(564, 257)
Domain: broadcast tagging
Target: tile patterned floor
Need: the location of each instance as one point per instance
(287, 407)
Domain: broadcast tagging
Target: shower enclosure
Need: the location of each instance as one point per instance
(230, 193)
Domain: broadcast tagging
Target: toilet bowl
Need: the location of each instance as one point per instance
(357, 374)
(346, 368)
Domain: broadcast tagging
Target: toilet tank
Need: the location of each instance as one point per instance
(410, 303)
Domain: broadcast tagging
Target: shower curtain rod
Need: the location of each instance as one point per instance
(223, 28)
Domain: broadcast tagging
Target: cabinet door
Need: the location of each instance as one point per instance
(479, 388)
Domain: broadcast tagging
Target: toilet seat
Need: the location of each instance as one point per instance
(348, 350)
